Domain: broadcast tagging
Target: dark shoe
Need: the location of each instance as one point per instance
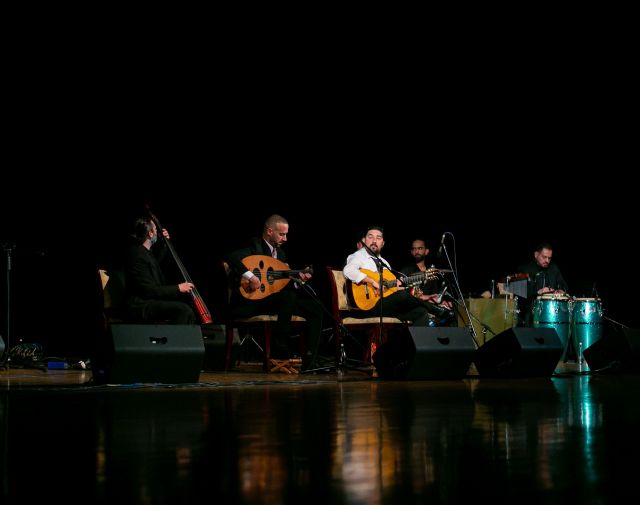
(308, 366)
(308, 363)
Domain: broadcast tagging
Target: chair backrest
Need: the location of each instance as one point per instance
(104, 278)
(339, 287)
(113, 292)
(113, 287)
(228, 273)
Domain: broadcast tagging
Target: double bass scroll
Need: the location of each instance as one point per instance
(203, 311)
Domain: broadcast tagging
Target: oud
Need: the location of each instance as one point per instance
(274, 275)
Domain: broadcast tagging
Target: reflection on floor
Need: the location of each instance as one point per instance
(250, 437)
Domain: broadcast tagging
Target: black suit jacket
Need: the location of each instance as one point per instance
(144, 279)
(542, 277)
(256, 246)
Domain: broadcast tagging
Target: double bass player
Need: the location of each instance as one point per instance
(149, 297)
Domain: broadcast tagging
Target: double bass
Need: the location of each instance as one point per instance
(203, 311)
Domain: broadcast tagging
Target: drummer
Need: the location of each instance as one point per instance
(545, 278)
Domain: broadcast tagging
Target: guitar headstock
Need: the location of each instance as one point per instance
(434, 273)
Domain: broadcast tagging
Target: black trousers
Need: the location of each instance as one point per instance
(284, 304)
(401, 305)
(162, 310)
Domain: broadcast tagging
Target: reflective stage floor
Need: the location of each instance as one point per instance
(249, 437)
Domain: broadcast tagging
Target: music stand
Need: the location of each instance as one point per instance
(516, 284)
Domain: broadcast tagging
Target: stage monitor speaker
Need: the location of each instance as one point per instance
(165, 353)
(426, 353)
(520, 352)
(617, 351)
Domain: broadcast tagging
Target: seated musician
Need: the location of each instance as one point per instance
(430, 290)
(545, 278)
(149, 297)
(291, 300)
(362, 270)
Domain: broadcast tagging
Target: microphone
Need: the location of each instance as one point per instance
(439, 253)
(368, 249)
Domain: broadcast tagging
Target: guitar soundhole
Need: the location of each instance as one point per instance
(257, 273)
(270, 275)
(262, 288)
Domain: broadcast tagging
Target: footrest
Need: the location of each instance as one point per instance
(290, 366)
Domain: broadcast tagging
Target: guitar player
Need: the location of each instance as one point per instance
(362, 270)
(289, 301)
(430, 291)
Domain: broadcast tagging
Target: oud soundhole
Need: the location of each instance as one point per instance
(271, 276)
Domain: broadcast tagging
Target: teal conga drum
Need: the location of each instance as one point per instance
(586, 326)
(550, 311)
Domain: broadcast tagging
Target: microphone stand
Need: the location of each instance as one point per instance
(380, 264)
(485, 327)
(8, 249)
(472, 330)
(341, 365)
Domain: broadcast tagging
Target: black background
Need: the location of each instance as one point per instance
(64, 228)
(502, 158)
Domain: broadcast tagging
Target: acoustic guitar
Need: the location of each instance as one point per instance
(365, 297)
(274, 275)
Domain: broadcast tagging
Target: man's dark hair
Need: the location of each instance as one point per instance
(544, 245)
(374, 227)
(426, 245)
(141, 228)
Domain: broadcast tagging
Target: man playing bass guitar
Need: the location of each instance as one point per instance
(283, 301)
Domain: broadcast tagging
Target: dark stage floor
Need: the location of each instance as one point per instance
(249, 437)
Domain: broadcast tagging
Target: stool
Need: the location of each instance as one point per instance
(290, 366)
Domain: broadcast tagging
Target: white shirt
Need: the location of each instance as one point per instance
(361, 259)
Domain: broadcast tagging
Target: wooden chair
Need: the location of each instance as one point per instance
(113, 292)
(343, 315)
(263, 323)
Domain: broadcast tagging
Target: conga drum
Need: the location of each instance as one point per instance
(586, 325)
(553, 311)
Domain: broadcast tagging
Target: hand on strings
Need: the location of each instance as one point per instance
(165, 233)
(186, 287)
(305, 276)
(374, 284)
(254, 284)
